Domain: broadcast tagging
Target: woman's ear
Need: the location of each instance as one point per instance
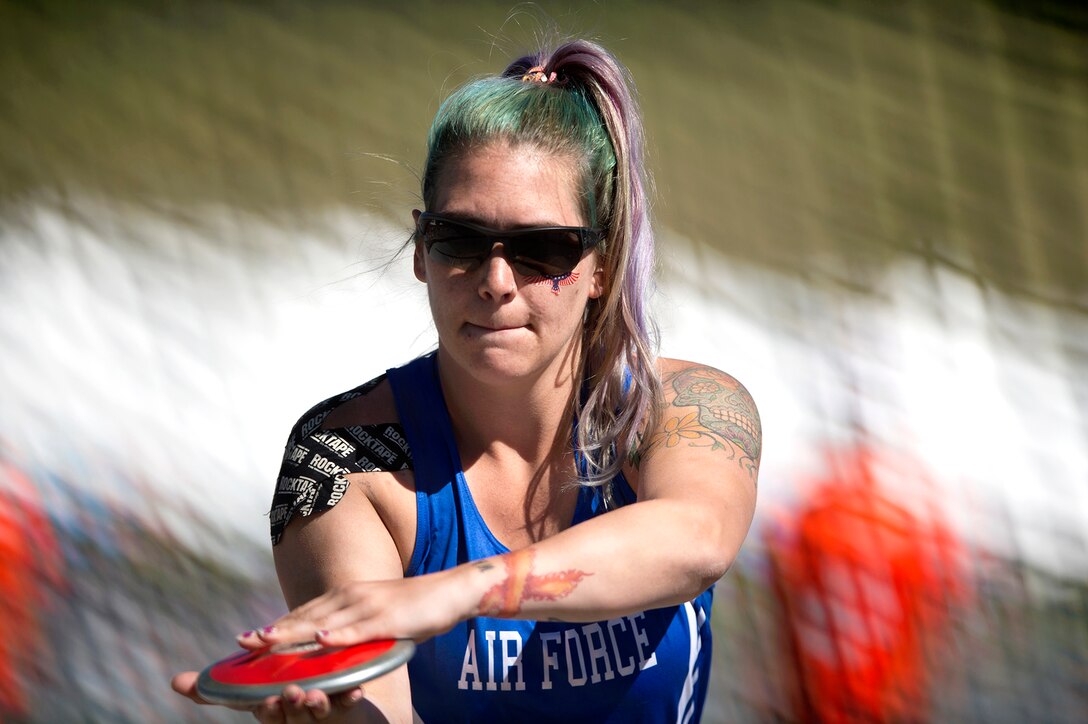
(597, 283)
(418, 264)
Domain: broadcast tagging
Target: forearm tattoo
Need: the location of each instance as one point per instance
(504, 599)
(725, 417)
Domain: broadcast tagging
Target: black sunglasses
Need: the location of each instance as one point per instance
(549, 251)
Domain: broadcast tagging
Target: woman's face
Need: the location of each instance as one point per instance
(494, 323)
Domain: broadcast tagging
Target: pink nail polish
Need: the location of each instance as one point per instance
(268, 629)
(245, 635)
(323, 633)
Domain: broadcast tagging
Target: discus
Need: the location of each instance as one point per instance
(248, 677)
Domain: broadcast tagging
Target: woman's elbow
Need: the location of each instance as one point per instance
(715, 564)
(700, 571)
(713, 548)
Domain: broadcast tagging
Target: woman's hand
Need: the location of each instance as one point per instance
(412, 608)
(293, 705)
(407, 608)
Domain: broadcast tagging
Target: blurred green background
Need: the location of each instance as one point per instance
(868, 207)
(834, 135)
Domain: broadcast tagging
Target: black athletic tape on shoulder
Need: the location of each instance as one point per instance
(316, 461)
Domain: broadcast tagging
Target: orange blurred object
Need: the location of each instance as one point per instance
(866, 587)
(29, 562)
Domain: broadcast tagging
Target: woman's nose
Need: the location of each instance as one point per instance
(498, 279)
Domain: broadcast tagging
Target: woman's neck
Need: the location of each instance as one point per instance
(525, 415)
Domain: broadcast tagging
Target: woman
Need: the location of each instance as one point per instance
(542, 504)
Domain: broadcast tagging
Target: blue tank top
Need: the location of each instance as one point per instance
(651, 666)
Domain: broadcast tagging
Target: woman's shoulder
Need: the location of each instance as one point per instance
(361, 405)
(706, 406)
(685, 379)
(357, 431)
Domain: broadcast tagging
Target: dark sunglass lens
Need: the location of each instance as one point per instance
(463, 253)
(547, 253)
(436, 229)
(450, 243)
(532, 252)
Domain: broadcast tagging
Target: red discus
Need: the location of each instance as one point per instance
(248, 677)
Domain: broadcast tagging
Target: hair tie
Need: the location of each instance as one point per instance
(536, 74)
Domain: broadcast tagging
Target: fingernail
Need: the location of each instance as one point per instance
(268, 629)
(294, 697)
(245, 634)
(323, 633)
(355, 697)
(313, 704)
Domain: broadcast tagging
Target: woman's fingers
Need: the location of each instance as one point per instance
(298, 625)
(364, 611)
(185, 684)
(335, 600)
(269, 711)
(348, 632)
(295, 706)
(348, 699)
(319, 704)
(353, 603)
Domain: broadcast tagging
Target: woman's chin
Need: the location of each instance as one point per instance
(494, 364)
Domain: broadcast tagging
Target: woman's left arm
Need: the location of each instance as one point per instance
(696, 484)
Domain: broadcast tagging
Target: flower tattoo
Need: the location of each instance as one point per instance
(725, 417)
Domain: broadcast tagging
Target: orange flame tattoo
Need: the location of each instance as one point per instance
(505, 599)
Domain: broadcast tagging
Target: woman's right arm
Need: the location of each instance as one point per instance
(348, 542)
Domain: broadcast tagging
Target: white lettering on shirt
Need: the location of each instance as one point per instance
(624, 669)
(598, 652)
(584, 654)
(551, 661)
(568, 636)
(470, 666)
(490, 637)
(506, 637)
(643, 643)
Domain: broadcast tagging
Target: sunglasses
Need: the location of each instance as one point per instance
(549, 251)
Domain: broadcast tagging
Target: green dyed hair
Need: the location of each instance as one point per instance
(556, 120)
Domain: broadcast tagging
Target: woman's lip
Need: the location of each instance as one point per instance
(489, 328)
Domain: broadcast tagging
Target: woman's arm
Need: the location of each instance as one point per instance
(347, 543)
(696, 498)
(318, 554)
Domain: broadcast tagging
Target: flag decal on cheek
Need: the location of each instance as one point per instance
(563, 280)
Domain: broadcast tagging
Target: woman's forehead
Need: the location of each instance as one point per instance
(501, 185)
